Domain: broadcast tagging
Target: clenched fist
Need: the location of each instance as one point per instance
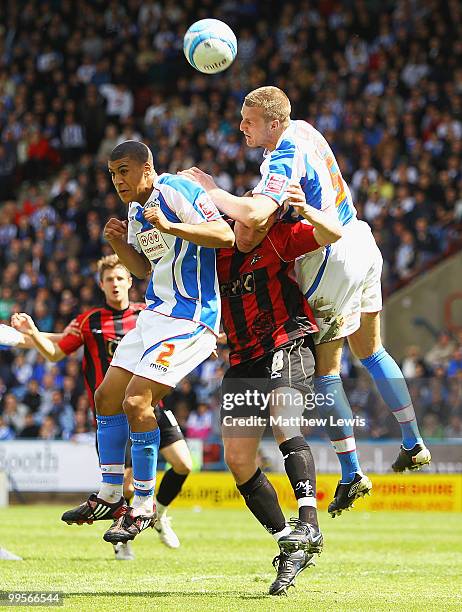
(115, 229)
(23, 323)
(157, 218)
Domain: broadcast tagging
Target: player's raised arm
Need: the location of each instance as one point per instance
(115, 232)
(251, 211)
(213, 234)
(24, 324)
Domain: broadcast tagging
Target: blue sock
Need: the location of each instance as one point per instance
(392, 387)
(112, 433)
(145, 449)
(336, 406)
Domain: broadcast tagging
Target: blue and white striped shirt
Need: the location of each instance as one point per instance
(183, 282)
(302, 155)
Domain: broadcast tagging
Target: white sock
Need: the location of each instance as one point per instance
(277, 536)
(161, 510)
(142, 504)
(111, 493)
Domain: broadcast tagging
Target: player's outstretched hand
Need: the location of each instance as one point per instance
(23, 323)
(198, 176)
(157, 218)
(115, 229)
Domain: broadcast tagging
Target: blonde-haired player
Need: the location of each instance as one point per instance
(340, 281)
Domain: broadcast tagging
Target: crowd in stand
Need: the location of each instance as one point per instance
(382, 81)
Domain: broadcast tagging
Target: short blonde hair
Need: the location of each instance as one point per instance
(109, 262)
(273, 101)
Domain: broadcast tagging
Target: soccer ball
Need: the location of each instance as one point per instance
(210, 46)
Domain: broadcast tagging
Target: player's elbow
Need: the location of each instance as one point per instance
(255, 219)
(337, 232)
(143, 271)
(329, 236)
(258, 212)
(228, 238)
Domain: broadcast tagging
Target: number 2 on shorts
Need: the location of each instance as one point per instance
(165, 354)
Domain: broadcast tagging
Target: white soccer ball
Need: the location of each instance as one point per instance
(210, 46)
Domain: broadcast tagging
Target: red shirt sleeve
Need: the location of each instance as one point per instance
(292, 240)
(71, 342)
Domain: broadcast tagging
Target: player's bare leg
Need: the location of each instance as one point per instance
(335, 405)
(129, 489)
(366, 344)
(179, 457)
(141, 394)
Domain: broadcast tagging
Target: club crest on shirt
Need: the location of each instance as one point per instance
(255, 258)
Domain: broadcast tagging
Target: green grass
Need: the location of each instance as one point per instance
(380, 561)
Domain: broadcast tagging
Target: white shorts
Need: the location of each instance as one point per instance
(164, 349)
(341, 281)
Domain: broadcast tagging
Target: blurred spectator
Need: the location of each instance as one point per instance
(13, 412)
(454, 428)
(411, 362)
(455, 363)
(32, 397)
(48, 429)
(199, 422)
(6, 431)
(30, 428)
(441, 352)
(432, 428)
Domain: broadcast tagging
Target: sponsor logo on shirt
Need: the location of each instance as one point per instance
(275, 183)
(207, 207)
(151, 204)
(243, 285)
(111, 346)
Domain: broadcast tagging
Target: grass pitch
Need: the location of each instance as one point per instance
(371, 561)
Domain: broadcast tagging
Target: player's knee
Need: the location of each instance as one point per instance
(136, 410)
(239, 463)
(103, 401)
(182, 465)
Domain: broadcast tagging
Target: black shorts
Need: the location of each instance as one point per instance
(290, 365)
(170, 432)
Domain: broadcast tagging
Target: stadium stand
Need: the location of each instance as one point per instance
(386, 92)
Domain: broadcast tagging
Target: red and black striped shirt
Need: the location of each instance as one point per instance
(101, 330)
(262, 305)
